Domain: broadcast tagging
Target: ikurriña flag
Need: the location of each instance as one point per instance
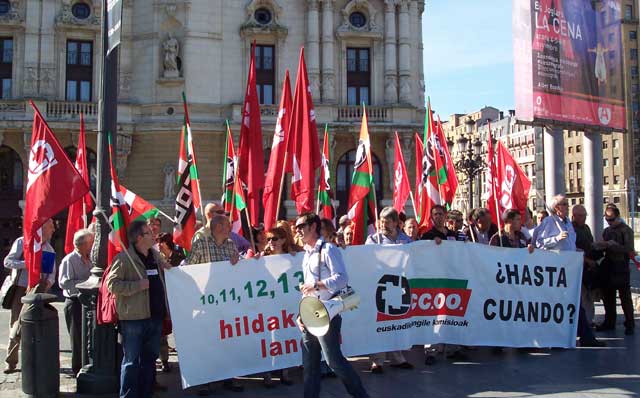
(188, 200)
(251, 153)
(325, 195)
(362, 195)
(53, 184)
(276, 169)
(233, 197)
(118, 233)
(78, 216)
(303, 144)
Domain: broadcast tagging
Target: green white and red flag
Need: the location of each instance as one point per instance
(251, 152)
(303, 144)
(78, 216)
(138, 209)
(362, 195)
(276, 169)
(447, 178)
(118, 211)
(188, 200)
(233, 197)
(325, 195)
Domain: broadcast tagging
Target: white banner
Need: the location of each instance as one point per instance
(238, 320)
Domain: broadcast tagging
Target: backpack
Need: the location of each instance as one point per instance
(106, 303)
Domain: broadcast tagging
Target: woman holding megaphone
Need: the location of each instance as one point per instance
(325, 276)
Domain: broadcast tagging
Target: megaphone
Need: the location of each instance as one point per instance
(317, 314)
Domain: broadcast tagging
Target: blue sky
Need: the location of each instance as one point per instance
(468, 56)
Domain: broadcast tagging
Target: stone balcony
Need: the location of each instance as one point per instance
(348, 114)
(51, 110)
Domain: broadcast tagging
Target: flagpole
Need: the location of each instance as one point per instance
(253, 243)
(493, 186)
(413, 203)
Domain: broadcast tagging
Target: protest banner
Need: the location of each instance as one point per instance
(238, 320)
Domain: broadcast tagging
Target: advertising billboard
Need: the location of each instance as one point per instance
(568, 63)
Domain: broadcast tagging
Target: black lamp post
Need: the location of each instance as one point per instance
(99, 374)
(469, 161)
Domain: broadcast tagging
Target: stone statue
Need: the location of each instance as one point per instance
(169, 181)
(171, 49)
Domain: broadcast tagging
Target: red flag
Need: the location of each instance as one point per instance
(512, 186)
(48, 165)
(303, 144)
(78, 216)
(275, 171)
(401, 187)
(325, 206)
(251, 155)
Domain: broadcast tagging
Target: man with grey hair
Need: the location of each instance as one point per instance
(210, 210)
(74, 269)
(584, 242)
(556, 231)
(389, 234)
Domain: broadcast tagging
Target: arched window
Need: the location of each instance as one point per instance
(344, 173)
(92, 163)
(11, 185)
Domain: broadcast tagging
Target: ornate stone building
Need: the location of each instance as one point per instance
(356, 51)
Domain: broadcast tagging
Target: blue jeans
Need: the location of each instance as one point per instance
(330, 346)
(141, 347)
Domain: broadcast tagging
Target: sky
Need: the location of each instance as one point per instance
(468, 56)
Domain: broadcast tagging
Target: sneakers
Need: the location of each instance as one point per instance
(9, 368)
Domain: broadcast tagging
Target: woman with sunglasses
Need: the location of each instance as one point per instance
(277, 243)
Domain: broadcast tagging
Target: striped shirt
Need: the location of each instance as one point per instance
(205, 250)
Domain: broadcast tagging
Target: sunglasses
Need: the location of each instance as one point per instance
(273, 239)
(301, 226)
(610, 219)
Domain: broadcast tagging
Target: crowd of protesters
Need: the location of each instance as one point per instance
(136, 275)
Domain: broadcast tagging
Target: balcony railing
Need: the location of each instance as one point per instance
(354, 113)
(70, 109)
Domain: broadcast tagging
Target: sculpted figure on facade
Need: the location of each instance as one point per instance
(169, 181)
(171, 49)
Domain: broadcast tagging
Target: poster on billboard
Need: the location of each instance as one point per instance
(568, 63)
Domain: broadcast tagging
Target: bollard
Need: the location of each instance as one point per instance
(40, 346)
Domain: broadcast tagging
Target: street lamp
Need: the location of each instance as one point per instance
(469, 160)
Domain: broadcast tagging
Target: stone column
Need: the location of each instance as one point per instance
(592, 144)
(312, 51)
(328, 68)
(390, 62)
(404, 52)
(416, 9)
(554, 183)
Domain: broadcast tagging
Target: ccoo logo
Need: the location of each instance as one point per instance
(398, 297)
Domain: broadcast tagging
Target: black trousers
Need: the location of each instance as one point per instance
(73, 318)
(609, 301)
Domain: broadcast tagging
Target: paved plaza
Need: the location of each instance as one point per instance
(608, 372)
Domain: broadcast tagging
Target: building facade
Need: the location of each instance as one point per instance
(358, 51)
